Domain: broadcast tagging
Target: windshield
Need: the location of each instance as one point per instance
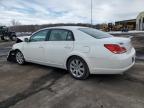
(95, 33)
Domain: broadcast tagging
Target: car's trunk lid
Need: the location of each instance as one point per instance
(123, 42)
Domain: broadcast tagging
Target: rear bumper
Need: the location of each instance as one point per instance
(116, 64)
(111, 71)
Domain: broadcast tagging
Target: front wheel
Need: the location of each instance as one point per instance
(78, 68)
(19, 58)
(13, 38)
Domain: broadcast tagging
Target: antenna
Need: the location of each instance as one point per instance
(91, 12)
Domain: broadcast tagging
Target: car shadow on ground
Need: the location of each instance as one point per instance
(55, 71)
(97, 77)
(106, 77)
(91, 77)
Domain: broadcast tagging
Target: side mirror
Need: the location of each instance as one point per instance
(26, 40)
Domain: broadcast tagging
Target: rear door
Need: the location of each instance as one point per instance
(59, 45)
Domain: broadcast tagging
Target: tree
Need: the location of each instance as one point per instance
(15, 22)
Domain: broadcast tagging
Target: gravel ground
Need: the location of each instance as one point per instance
(36, 86)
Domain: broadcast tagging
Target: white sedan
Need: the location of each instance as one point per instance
(80, 50)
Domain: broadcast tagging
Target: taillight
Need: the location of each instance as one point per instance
(114, 48)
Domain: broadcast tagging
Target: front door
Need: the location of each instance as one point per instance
(34, 49)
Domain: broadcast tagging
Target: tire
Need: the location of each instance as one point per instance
(78, 68)
(6, 38)
(2, 37)
(13, 38)
(19, 58)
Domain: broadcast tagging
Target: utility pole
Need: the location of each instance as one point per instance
(91, 12)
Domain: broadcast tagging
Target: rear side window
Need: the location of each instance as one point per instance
(95, 33)
(61, 35)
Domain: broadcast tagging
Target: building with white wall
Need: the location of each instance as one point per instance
(133, 24)
(140, 21)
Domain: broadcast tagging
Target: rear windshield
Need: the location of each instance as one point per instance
(95, 33)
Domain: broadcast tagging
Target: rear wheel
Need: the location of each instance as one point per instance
(2, 37)
(13, 37)
(19, 58)
(78, 68)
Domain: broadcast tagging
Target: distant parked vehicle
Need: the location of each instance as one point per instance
(80, 50)
(125, 29)
(5, 34)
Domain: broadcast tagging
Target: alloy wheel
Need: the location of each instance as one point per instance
(19, 58)
(77, 68)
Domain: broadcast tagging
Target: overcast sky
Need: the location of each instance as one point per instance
(68, 11)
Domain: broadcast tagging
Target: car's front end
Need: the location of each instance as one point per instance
(12, 52)
(11, 55)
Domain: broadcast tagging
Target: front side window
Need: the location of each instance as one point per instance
(60, 35)
(39, 36)
(95, 33)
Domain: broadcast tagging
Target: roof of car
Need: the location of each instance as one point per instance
(67, 27)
